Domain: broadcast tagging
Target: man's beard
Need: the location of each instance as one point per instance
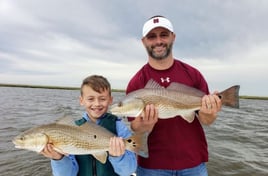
(157, 56)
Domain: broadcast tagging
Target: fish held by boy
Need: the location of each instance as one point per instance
(68, 138)
(176, 99)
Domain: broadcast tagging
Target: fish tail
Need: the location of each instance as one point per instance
(230, 97)
(138, 144)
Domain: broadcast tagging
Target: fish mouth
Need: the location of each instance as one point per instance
(114, 109)
(131, 107)
(16, 142)
(18, 147)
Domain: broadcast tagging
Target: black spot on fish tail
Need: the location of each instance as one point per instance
(138, 144)
(132, 142)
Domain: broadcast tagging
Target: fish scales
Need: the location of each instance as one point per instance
(175, 100)
(168, 98)
(63, 136)
(67, 138)
(171, 97)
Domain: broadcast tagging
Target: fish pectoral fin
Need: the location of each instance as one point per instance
(189, 117)
(66, 120)
(45, 139)
(38, 150)
(60, 151)
(101, 156)
(141, 112)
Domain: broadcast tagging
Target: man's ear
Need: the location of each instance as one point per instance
(142, 40)
(174, 38)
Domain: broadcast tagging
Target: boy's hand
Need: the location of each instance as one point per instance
(117, 146)
(49, 152)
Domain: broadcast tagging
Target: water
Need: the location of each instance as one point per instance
(238, 140)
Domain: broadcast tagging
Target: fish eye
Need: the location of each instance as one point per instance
(22, 138)
(120, 104)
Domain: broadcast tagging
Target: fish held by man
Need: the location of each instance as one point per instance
(68, 138)
(176, 99)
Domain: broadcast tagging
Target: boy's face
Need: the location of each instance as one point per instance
(96, 104)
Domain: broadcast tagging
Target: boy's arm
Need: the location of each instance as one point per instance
(60, 164)
(67, 166)
(125, 164)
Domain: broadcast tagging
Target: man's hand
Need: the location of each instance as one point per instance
(211, 105)
(146, 121)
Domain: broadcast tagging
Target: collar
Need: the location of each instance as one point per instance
(85, 116)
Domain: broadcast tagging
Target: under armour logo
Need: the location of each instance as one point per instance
(156, 20)
(167, 79)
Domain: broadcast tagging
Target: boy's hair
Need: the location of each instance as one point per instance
(97, 82)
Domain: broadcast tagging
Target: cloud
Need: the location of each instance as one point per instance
(61, 42)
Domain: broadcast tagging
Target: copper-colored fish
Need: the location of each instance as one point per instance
(177, 99)
(68, 138)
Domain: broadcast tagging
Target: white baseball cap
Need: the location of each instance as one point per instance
(157, 21)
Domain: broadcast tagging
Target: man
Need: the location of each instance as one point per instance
(176, 147)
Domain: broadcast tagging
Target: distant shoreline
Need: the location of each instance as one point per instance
(113, 90)
(49, 87)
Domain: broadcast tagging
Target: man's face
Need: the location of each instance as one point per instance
(158, 43)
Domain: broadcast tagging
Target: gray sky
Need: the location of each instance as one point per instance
(60, 42)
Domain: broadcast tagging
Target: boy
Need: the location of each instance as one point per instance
(96, 98)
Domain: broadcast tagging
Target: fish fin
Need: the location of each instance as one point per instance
(101, 156)
(138, 144)
(46, 140)
(66, 120)
(37, 149)
(141, 112)
(89, 125)
(59, 151)
(178, 87)
(230, 96)
(189, 117)
(151, 84)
